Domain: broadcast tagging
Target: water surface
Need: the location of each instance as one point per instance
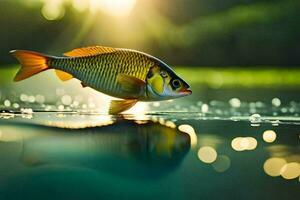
(229, 140)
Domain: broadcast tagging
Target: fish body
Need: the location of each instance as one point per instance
(100, 71)
(127, 74)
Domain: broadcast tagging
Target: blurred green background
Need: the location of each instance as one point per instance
(181, 32)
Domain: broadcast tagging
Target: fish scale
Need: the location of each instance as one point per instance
(100, 71)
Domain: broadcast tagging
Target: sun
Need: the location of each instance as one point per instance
(118, 8)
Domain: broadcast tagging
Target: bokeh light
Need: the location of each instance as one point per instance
(207, 154)
(290, 170)
(244, 143)
(189, 130)
(269, 136)
(222, 163)
(273, 166)
(55, 9)
(119, 8)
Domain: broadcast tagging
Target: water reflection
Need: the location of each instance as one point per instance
(186, 128)
(222, 163)
(244, 143)
(125, 148)
(273, 166)
(279, 166)
(207, 154)
(269, 136)
(285, 162)
(145, 150)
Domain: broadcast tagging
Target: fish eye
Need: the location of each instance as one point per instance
(176, 83)
(164, 74)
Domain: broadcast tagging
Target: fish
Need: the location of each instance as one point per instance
(127, 74)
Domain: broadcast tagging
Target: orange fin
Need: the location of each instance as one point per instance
(130, 84)
(64, 76)
(118, 106)
(31, 63)
(90, 51)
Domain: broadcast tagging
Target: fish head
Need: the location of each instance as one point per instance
(163, 83)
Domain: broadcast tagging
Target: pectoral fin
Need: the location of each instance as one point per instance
(118, 106)
(130, 84)
(64, 76)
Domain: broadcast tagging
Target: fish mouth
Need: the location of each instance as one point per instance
(186, 91)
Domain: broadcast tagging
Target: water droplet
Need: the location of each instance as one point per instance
(66, 99)
(26, 110)
(61, 107)
(204, 108)
(276, 102)
(23, 97)
(235, 102)
(40, 98)
(31, 99)
(7, 103)
(16, 105)
(255, 118)
(47, 108)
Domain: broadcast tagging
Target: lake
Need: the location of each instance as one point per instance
(236, 137)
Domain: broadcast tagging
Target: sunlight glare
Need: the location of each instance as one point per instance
(53, 10)
(118, 8)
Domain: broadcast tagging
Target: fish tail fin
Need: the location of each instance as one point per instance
(31, 63)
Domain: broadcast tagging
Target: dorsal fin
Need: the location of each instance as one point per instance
(64, 76)
(89, 51)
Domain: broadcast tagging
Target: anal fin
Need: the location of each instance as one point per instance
(64, 76)
(118, 106)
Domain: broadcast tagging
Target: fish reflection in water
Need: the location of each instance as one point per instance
(124, 148)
